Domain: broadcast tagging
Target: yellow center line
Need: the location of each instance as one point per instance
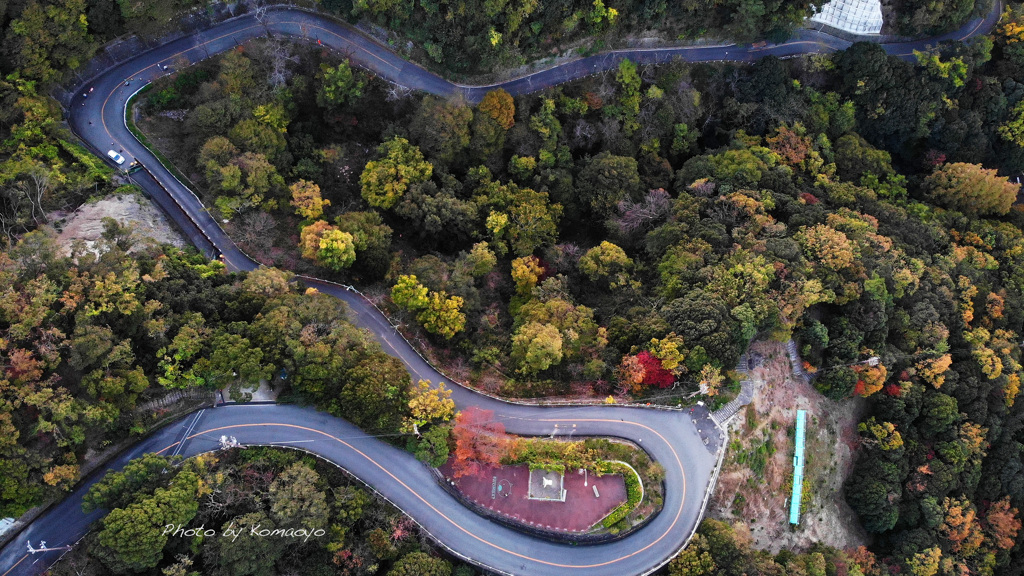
(353, 44)
(464, 530)
(141, 70)
(973, 30)
(221, 37)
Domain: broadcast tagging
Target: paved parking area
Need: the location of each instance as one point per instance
(504, 490)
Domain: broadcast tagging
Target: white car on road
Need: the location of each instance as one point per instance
(115, 157)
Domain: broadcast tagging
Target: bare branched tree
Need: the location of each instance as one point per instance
(11, 209)
(37, 185)
(256, 230)
(280, 55)
(703, 188)
(582, 134)
(259, 10)
(611, 129)
(608, 87)
(648, 127)
(635, 216)
(397, 92)
(649, 73)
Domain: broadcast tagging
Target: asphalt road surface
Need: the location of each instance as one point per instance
(670, 437)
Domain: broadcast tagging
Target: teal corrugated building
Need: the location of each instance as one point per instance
(798, 467)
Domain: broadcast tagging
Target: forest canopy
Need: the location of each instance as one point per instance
(625, 237)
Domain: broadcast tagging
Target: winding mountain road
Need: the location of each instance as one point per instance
(671, 437)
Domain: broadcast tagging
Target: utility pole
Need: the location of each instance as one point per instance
(43, 548)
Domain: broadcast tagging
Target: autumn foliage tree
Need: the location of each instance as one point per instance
(429, 404)
(971, 189)
(792, 145)
(960, 526)
(881, 434)
(933, 370)
(443, 315)
(925, 563)
(643, 370)
(536, 347)
(694, 560)
(1002, 524)
(307, 200)
(1011, 33)
(827, 246)
(337, 250)
(670, 351)
(480, 441)
(604, 260)
(711, 380)
(408, 293)
(327, 246)
(872, 378)
(437, 312)
(498, 104)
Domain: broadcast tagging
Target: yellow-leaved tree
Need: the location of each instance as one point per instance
(428, 404)
(307, 200)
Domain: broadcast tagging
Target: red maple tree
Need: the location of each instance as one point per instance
(480, 441)
(654, 373)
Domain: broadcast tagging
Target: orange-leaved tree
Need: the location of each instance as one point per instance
(479, 441)
(1002, 524)
(499, 105)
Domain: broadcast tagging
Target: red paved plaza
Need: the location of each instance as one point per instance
(503, 489)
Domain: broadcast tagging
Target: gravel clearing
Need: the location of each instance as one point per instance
(134, 210)
(756, 480)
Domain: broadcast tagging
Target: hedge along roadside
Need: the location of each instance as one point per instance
(634, 491)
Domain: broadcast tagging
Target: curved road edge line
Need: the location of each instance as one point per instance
(445, 516)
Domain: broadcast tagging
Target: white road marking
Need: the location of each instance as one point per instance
(187, 433)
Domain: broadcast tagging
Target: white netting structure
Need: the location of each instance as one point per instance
(856, 16)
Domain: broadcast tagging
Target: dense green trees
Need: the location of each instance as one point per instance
(244, 180)
(766, 218)
(564, 238)
(152, 320)
(442, 128)
(384, 181)
(224, 529)
(536, 347)
(607, 180)
(295, 500)
(519, 220)
(41, 168)
(371, 239)
(49, 38)
(420, 564)
(132, 538)
(917, 16)
(338, 85)
(477, 36)
(116, 489)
